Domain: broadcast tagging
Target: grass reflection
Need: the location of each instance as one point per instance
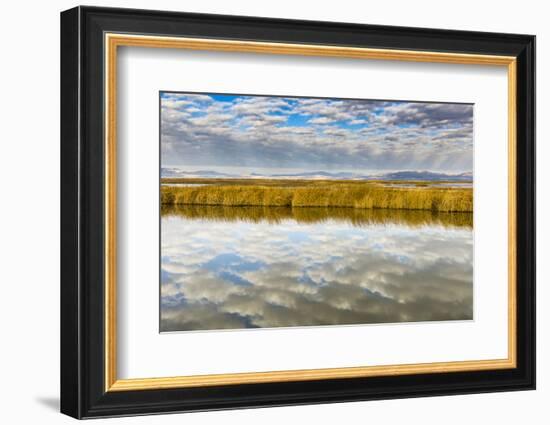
(357, 217)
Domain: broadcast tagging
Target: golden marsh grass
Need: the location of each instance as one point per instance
(324, 193)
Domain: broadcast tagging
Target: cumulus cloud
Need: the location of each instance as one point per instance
(261, 131)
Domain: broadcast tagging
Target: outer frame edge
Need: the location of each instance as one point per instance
(525, 379)
(70, 348)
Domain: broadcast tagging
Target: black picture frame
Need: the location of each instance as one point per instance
(83, 392)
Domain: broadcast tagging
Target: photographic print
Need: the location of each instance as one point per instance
(280, 211)
(254, 183)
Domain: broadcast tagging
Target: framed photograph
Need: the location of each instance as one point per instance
(261, 212)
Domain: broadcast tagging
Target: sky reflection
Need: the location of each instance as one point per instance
(243, 273)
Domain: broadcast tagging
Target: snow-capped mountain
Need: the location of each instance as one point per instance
(345, 175)
(177, 173)
(426, 175)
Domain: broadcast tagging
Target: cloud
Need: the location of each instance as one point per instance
(321, 120)
(261, 131)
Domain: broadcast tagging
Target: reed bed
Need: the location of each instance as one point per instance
(335, 195)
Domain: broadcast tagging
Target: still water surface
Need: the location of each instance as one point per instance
(250, 267)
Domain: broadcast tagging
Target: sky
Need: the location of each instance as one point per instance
(213, 131)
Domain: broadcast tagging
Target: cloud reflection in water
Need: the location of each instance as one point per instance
(244, 273)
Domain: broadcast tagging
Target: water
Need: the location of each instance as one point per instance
(465, 185)
(239, 267)
(184, 184)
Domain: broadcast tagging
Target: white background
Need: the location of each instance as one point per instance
(143, 72)
(29, 228)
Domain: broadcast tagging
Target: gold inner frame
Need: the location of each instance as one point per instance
(113, 41)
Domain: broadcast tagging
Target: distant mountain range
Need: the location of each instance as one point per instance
(427, 175)
(175, 173)
(397, 175)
